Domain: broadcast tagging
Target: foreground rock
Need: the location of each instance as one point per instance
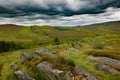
(86, 75)
(47, 71)
(106, 69)
(42, 51)
(21, 75)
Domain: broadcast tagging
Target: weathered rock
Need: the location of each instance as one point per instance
(26, 57)
(89, 76)
(47, 71)
(35, 55)
(21, 75)
(42, 51)
(106, 69)
(13, 66)
(107, 61)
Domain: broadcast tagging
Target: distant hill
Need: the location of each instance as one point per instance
(10, 26)
(107, 27)
(13, 32)
(105, 23)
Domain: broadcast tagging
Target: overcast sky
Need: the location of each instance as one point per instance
(58, 12)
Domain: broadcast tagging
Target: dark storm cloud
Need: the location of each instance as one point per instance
(58, 12)
(55, 7)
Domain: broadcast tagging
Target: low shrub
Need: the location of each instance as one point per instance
(64, 64)
(48, 58)
(56, 41)
(98, 46)
(105, 53)
(59, 62)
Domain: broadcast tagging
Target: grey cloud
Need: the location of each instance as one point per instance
(46, 4)
(111, 14)
(58, 12)
(74, 5)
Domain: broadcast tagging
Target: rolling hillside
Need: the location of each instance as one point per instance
(91, 51)
(108, 27)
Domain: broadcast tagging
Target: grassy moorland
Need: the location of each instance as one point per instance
(97, 40)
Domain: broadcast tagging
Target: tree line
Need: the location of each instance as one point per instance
(6, 46)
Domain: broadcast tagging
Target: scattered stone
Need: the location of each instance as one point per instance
(106, 69)
(26, 57)
(89, 76)
(42, 51)
(47, 71)
(21, 75)
(107, 61)
(13, 66)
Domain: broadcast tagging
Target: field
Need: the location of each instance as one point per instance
(76, 44)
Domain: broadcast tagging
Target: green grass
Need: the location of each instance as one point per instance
(82, 60)
(99, 40)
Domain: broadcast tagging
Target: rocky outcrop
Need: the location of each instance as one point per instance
(35, 56)
(86, 75)
(21, 75)
(13, 66)
(45, 68)
(107, 61)
(106, 69)
(43, 51)
(25, 57)
(47, 71)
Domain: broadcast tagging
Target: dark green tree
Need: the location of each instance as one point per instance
(73, 45)
(56, 41)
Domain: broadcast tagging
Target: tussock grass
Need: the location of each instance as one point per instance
(105, 53)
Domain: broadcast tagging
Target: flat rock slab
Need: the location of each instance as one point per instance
(43, 51)
(106, 68)
(107, 61)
